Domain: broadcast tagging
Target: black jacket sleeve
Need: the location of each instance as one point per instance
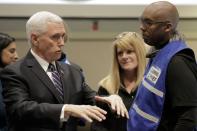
(182, 91)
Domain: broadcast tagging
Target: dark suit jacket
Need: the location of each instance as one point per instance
(32, 102)
(2, 111)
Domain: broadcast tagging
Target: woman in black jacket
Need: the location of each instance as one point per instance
(8, 55)
(128, 64)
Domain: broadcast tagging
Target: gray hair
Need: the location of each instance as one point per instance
(37, 23)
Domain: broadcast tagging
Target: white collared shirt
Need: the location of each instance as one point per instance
(43, 63)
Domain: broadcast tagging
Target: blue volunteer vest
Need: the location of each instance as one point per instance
(146, 111)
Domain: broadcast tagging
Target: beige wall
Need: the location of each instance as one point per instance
(93, 56)
(92, 49)
(88, 48)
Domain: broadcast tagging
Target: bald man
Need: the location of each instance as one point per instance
(167, 97)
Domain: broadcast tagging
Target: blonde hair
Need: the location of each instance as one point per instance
(125, 40)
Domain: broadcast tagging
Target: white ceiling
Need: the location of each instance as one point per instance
(110, 2)
(89, 8)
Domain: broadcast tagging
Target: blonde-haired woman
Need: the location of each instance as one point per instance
(128, 65)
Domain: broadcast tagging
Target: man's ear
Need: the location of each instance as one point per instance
(34, 39)
(168, 27)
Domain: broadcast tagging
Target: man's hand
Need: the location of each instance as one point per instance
(86, 112)
(115, 103)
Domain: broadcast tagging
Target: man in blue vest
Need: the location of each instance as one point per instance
(167, 96)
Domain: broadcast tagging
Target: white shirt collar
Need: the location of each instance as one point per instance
(43, 63)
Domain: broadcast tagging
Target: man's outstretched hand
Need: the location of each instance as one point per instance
(115, 103)
(86, 112)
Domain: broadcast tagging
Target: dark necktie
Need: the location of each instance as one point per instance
(56, 80)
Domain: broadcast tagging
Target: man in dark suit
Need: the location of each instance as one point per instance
(42, 94)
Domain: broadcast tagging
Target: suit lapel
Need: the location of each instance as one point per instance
(41, 75)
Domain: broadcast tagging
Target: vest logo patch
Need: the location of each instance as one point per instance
(153, 74)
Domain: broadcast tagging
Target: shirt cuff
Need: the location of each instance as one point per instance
(62, 117)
